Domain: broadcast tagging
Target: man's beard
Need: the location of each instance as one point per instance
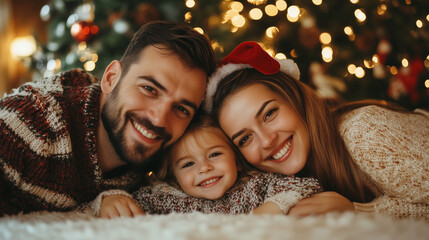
(138, 154)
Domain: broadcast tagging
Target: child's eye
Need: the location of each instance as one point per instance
(188, 164)
(214, 154)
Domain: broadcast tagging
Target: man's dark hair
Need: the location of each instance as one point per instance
(193, 48)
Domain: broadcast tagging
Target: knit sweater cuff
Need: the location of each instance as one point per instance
(96, 204)
(364, 207)
(285, 200)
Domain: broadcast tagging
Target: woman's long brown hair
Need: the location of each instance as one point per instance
(329, 160)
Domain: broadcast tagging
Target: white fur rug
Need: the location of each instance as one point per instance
(53, 226)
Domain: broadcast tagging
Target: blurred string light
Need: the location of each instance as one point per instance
(281, 5)
(325, 38)
(360, 15)
(271, 10)
(327, 54)
(257, 2)
(271, 32)
(190, 3)
(317, 2)
(256, 13)
(293, 13)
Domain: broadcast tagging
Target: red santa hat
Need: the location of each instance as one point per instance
(248, 55)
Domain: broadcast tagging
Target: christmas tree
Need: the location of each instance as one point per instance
(353, 50)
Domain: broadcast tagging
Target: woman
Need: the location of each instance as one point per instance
(280, 125)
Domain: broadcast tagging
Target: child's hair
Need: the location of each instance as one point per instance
(201, 122)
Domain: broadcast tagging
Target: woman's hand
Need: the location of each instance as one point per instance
(119, 206)
(321, 203)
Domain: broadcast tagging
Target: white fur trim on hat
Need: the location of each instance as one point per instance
(287, 66)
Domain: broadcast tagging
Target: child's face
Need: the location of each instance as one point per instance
(204, 167)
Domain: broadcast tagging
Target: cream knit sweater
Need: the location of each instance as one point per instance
(393, 148)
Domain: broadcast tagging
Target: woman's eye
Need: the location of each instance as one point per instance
(243, 140)
(214, 154)
(188, 164)
(270, 113)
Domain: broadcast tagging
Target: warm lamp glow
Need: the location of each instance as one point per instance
(23, 46)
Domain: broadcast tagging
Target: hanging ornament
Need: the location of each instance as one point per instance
(83, 31)
(309, 37)
(326, 86)
(366, 41)
(145, 13)
(405, 82)
(383, 50)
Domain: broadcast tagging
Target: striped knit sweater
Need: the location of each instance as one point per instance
(48, 158)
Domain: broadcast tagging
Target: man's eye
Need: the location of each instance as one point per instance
(188, 164)
(183, 110)
(149, 89)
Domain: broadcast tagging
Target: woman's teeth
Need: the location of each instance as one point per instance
(283, 151)
(144, 132)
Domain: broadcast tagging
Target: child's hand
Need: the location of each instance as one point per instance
(119, 206)
(267, 208)
(321, 203)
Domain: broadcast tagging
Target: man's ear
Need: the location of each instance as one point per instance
(111, 76)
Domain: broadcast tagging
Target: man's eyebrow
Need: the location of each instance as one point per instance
(261, 109)
(162, 88)
(154, 82)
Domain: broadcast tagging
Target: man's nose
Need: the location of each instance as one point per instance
(158, 114)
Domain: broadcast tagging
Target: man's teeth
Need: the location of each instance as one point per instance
(209, 181)
(283, 151)
(144, 132)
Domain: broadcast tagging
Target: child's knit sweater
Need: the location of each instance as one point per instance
(48, 157)
(243, 197)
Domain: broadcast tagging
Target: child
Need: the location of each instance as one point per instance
(204, 172)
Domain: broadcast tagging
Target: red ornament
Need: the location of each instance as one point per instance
(83, 31)
(406, 81)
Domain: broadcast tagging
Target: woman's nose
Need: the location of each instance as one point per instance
(268, 138)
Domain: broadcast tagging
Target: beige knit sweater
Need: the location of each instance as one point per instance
(393, 148)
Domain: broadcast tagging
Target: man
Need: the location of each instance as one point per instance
(66, 138)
